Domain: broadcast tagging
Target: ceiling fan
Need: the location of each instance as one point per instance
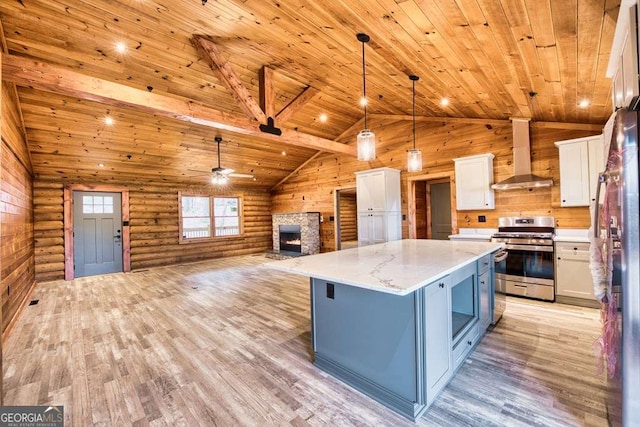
(221, 175)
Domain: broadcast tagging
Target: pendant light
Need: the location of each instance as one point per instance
(414, 156)
(366, 141)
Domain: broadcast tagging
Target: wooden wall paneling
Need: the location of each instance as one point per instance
(49, 241)
(153, 229)
(310, 189)
(2, 50)
(17, 263)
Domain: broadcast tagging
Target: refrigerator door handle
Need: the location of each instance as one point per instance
(602, 178)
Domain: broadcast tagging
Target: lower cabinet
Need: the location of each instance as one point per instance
(574, 284)
(437, 336)
(485, 291)
(464, 346)
(378, 227)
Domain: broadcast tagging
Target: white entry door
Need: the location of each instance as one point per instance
(97, 233)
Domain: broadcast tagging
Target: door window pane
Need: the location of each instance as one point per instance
(97, 204)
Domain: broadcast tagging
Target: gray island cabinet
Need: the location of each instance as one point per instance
(396, 320)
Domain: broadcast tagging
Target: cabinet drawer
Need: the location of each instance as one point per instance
(462, 349)
(573, 251)
(484, 263)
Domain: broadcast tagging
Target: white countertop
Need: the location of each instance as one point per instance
(399, 267)
(578, 235)
(481, 234)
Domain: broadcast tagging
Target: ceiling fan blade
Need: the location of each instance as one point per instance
(240, 175)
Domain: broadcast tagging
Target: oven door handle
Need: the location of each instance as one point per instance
(530, 248)
(500, 256)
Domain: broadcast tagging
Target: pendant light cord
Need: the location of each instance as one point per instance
(414, 114)
(364, 88)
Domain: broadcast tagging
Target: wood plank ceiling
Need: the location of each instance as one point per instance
(485, 56)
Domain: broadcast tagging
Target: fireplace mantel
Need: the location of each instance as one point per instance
(309, 223)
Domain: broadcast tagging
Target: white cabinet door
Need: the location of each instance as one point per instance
(581, 160)
(378, 205)
(574, 174)
(474, 176)
(573, 275)
(378, 190)
(378, 227)
(437, 336)
(596, 165)
(370, 191)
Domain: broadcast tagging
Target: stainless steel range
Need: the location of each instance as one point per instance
(527, 270)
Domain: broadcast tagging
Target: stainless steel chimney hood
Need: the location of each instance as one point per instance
(522, 161)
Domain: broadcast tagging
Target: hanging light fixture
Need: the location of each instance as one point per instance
(414, 156)
(366, 142)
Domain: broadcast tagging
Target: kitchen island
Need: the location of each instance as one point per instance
(395, 320)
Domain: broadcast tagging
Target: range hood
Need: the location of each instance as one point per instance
(522, 177)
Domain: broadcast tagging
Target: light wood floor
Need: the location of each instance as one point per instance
(227, 343)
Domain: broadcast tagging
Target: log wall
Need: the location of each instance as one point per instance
(153, 210)
(311, 188)
(16, 212)
(348, 217)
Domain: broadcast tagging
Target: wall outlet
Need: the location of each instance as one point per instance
(330, 291)
(482, 218)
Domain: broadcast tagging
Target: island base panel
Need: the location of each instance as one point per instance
(369, 340)
(402, 406)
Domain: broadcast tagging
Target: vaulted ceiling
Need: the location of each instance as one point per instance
(192, 71)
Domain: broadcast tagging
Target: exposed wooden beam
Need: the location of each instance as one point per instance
(267, 92)
(218, 63)
(295, 105)
(51, 78)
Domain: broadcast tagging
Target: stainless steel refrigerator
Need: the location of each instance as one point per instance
(619, 227)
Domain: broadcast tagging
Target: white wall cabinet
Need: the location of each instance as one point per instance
(474, 176)
(581, 160)
(379, 206)
(573, 275)
(437, 336)
(623, 63)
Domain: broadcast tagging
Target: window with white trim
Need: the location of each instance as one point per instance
(206, 217)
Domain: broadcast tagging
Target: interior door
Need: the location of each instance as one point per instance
(440, 196)
(97, 233)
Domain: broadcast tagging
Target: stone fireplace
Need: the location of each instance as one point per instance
(296, 233)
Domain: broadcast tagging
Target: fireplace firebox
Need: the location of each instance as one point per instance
(290, 238)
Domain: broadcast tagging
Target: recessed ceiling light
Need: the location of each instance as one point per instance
(363, 101)
(284, 153)
(584, 103)
(323, 117)
(101, 165)
(121, 47)
(108, 120)
(444, 102)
